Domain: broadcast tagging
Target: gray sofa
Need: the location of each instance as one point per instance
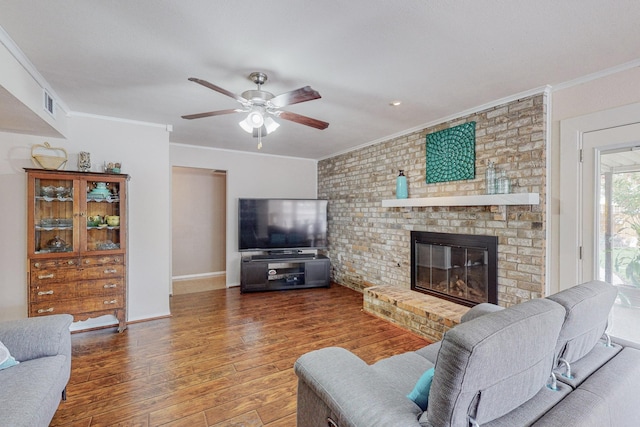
(30, 391)
(546, 362)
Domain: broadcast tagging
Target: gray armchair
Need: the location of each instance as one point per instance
(31, 391)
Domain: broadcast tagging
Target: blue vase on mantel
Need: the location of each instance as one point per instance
(401, 186)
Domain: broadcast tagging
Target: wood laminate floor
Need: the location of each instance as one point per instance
(222, 359)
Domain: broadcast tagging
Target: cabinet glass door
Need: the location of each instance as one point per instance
(53, 216)
(103, 215)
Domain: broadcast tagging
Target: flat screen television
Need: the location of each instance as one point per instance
(275, 225)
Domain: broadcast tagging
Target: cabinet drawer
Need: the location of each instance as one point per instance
(103, 288)
(71, 269)
(45, 276)
(77, 305)
(102, 260)
(52, 275)
(52, 291)
(103, 272)
(61, 291)
(48, 264)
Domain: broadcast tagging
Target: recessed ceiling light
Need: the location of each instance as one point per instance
(395, 103)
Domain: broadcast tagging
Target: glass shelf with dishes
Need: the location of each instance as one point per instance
(107, 199)
(55, 199)
(53, 215)
(103, 219)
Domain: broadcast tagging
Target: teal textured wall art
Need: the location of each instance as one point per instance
(451, 154)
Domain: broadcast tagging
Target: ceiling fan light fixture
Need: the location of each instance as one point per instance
(254, 120)
(245, 126)
(270, 125)
(250, 124)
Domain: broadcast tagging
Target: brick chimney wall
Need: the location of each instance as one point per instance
(369, 244)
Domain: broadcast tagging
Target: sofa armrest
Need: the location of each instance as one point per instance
(353, 391)
(480, 310)
(625, 343)
(36, 337)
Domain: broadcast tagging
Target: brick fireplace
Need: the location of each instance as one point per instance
(457, 267)
(369, 244)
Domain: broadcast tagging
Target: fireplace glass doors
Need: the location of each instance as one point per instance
(460, 268)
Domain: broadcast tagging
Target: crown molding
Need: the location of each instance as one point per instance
(168, 128)
(545, 90)
(240, 152)
(597, 75)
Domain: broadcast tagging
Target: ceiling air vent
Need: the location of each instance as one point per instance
(49, 103)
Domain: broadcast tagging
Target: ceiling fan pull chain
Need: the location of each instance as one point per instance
(259, 138)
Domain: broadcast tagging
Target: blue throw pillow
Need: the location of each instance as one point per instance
(420, 393)
(8, 363)
(6, 360)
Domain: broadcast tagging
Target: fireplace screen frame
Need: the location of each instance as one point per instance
(470, 241)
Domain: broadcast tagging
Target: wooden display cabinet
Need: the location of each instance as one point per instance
(77, 244)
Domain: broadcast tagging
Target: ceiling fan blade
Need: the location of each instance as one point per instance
(212, 113)
(218, 89)
(303, 120)
(295, 96)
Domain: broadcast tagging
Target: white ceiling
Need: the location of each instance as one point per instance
(131, 59)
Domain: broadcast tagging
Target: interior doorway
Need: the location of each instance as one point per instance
(198, 229)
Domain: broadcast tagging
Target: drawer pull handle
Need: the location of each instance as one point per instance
(36, 265)
(113, 301)
(112, 285)
(110, 271)
(70, 262)
(45, 310)
(45, 292)
(46, 276)
(86, 261)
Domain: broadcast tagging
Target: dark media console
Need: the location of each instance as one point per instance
(285, 271)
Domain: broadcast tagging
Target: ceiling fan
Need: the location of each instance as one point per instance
(261, 105)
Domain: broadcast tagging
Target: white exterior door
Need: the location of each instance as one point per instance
(598, 239)
(582, 139)
(606, 152)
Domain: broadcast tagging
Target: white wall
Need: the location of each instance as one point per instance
(249, 175)
(144, 152)
(15, 153)
(591, 96)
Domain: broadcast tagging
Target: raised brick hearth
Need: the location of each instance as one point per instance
(425, 315)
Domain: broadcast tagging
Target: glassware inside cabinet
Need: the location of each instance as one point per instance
(103, 215)
(53, 216)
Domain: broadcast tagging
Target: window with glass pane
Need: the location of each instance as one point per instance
(619, 237)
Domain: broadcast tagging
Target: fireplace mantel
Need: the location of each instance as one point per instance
(473, 200)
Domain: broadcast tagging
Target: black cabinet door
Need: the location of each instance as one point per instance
(254, 276)
(317, 273)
